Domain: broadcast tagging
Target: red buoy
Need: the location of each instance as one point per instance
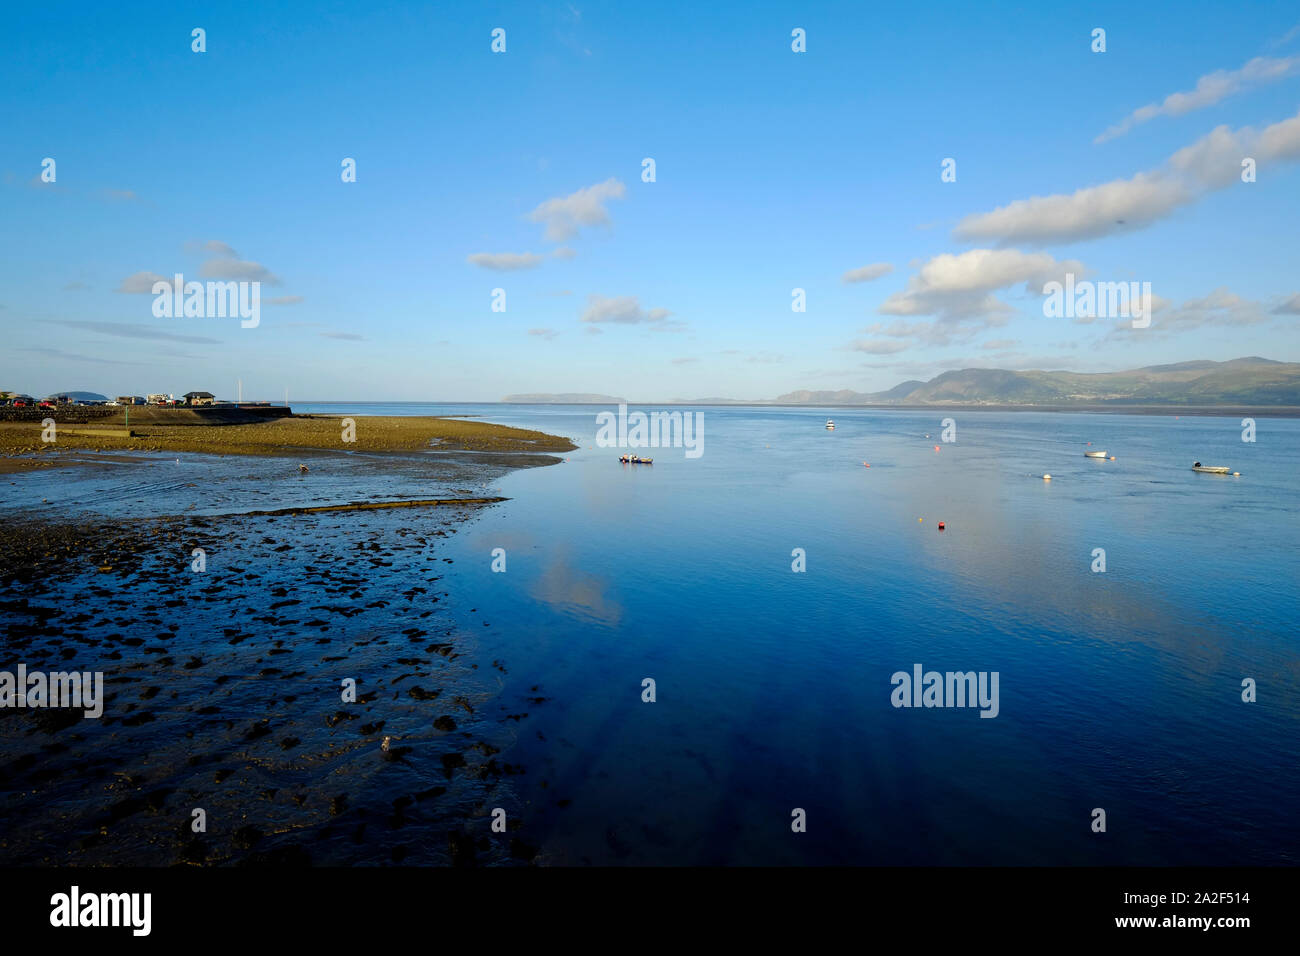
(940, 525)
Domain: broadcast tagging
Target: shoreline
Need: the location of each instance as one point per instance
(289, 435)
(226, 688)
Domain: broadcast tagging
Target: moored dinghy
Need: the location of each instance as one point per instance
(1094, 454)
(634, 460)
(1212, 469)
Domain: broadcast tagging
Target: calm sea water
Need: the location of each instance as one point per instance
(1119, 690)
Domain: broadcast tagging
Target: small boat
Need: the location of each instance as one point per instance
(1212, 469)
(1094, 454)
(830, 425)
(634, 460)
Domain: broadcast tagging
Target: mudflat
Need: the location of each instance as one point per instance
(280, 435)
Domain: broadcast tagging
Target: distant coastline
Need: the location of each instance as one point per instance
(1257, 411)
(1250, 385)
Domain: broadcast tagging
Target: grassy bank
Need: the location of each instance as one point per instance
(298, 433)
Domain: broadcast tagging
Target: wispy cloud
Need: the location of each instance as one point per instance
(878, 346)
(238, 270)
(133, 330)
(867, 273)
(1290, 306)
(1221, 308)
(504, 261)
(74, 357)
(141, 283)
(1209, 89)
(212, 247)
(544, 333)
(120, 195)
(1285, 38)
(345, 336)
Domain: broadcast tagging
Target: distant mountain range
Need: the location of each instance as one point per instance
(1243, 381)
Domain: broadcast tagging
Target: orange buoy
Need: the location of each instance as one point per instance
(936, 447)
(865, 465)
(940, 525)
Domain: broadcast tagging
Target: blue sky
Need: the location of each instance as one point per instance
(774, 170)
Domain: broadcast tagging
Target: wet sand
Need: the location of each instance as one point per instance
(225, 687)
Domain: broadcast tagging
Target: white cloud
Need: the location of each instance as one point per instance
(867, 273)
(1220, 308)
(212, 247)
(624, 310)
(504, 261)
(141, 282)
(1212, 162)
(547, 334)
(1210, 89)
(1289, 307)
(878, 346)
(564, 252)
(1084, 214)
(564, 216)
(238, 270)
(959, 286)
(284, 300)
(957, 291)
